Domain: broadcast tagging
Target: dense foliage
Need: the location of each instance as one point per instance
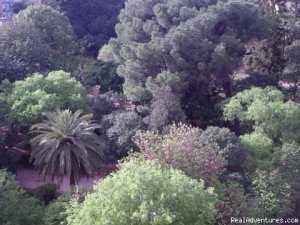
(97, 72)
(267, 112)
(202, 96)
(142, 192)
(93, 21)
(40, 39)
(183, 49)
(181, 148)
(26, 100)
(16, 207)
(55, 212)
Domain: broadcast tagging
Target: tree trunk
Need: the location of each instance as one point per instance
(74, 183)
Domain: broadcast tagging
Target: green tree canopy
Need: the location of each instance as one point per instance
(16, 207)
(189, 48)
(54, 29)
(29, 98)
(39, 39)
(266, 112)
(142, 192)
(93, 21)
(228, 146)
(97, 72)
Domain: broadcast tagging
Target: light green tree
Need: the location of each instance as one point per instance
(265, 111)
(29, 98)
(142, 192)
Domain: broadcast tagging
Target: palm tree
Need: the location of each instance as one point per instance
(66, 145)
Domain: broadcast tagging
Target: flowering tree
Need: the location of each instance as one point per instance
(181, 148)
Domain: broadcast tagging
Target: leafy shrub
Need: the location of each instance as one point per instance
(101, 73)
(119, 127)
(227, 144)
(273, 196)
(288, 164)
(181, 148)
(16, 207)
(106, 103)
(142, 192)
(55, 212)
(46, 193)
(233, 202)
(259, 151)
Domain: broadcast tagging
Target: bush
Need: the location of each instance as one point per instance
(119, 127)
(142, 192)
(107, 103)
(16, 207)
(288, 164)
(228, 145)
(234, 202)
(100, 73)
(46, 193)
(259, 152)
(55, 212)
(273, 196)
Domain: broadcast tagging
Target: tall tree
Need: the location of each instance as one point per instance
(39, 39)
(66, 145)
(187, 47)
(291, 73)
(93, 21)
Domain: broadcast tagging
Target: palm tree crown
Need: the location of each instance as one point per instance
(66, 145)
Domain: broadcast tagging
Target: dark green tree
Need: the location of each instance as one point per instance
(16, 207)
(228, 146)
(39, 39)
(190, 47)
(119, 127)
(93, 21)
(22, 49)
(291, 73)
(97, 72)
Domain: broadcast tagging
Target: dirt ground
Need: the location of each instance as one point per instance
(29, 178)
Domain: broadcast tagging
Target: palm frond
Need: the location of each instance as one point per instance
(66, 144)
